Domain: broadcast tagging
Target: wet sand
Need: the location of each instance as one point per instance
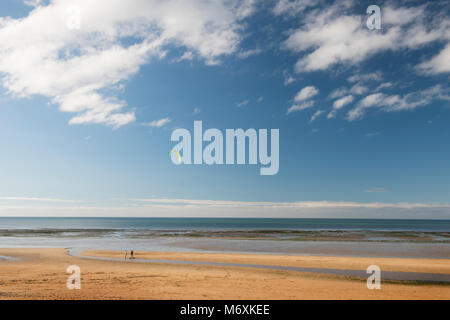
(41, 274)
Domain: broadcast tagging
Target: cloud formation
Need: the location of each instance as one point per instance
(292, 7)
(78, 53)
(302, 99)
(438, 64)
(338, 36)
(389, 103)
(240, 209)
(242, 103)
(306, 93)
(159, 123)
(339, 104)
(315, 115)
(34, 199)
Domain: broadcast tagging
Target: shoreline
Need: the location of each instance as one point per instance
(226, 246)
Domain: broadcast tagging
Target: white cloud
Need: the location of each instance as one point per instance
(438, 64)
(336, 36)
(79, 69)
(242, 103)
(302, 99)
(35, 199)
(390, 103)
(299, 204)
(306, 93)
(300, 106)
(288, 80)
(292, 7)
(364, 77)
(187, 56)
(339, 92)
(339, 104)
(401, 16)
(159, 123)
(358, 89)
(240, 209)
(315, 115)
(376, 99)
(33, 3)
(260, 99)
(384, 85)
(248, 53)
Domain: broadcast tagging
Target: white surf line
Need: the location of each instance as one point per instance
(385, 275)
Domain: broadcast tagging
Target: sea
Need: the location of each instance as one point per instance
(335, 237)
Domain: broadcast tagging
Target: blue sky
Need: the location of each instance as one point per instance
(86, 112)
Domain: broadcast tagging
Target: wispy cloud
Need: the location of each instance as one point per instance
(248, 53)
(438, 64)
(315, 115)
(187, 56)
(390, 103)
(216, 208)
(242, 103)
(292, 7)
(288, 80)
(302, 99)
(306, 93)
(365, 77)
(300, 106)
(301, 204)
(34, 199)
(339, 104)
(159, 123)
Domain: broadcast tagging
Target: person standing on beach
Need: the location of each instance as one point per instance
(126, 253)
(132, 254)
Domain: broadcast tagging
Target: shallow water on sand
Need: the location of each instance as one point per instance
(320, 248)
(387, 275)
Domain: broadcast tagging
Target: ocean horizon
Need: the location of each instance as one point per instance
(341, 237)
(192, 223)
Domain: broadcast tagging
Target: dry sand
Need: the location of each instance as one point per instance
(41, 274)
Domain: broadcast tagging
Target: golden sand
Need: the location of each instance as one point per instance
(41, 274)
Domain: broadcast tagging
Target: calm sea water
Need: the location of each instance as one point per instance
(224, 224)
(350, 237)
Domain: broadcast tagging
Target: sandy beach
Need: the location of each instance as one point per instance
(41, 274)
